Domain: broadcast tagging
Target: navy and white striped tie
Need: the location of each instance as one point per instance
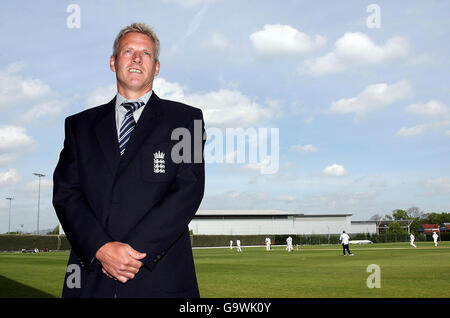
(128, 124)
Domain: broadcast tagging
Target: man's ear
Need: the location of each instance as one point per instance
(112, 61)
(157, 66)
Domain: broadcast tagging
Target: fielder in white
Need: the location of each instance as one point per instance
(435, 238)
(289, 244)
(411, 240)
(268, 242)
(231, 244)
(238, 243)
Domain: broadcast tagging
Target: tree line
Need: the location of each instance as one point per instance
(413, 214)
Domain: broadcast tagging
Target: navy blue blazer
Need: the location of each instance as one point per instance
(100, 197)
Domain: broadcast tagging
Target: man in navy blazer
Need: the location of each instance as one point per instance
(125, 202)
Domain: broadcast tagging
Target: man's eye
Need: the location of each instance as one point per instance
(147, 53)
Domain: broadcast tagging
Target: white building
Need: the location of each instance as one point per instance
(258, 222)
(364, 227)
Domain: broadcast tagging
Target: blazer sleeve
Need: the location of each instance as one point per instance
(160, 228)
(82, 228)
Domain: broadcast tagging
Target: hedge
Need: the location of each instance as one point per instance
(17, 242)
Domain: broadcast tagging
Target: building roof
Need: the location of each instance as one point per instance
(365, 222)
(260, 213)
(430, 226)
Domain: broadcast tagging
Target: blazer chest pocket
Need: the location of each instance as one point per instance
(157, 164)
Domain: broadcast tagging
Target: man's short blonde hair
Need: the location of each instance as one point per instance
(139, 28)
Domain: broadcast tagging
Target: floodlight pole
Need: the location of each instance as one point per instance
(9, 223)
(39, 175)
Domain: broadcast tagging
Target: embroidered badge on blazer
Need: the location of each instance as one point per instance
(159, 165)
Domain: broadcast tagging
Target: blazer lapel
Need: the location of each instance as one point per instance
(145, 125)
(106, 132)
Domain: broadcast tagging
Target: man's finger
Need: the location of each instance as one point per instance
(135, 254)
(129, 269)
(106, 273)
(128, 275)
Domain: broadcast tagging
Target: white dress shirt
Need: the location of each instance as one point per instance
(121, 111)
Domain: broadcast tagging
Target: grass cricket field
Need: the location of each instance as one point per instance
(309, 272)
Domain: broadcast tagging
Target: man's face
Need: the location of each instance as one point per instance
(135, 65)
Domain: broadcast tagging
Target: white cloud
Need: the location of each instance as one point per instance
(431, 108)
(14, 142)
(32, 95)
(217, 41)
(305, 148)
(192, 3)
(14, 89)
(438, 185)
(101, 95)
(372, 98)
(44, 109)
(411, 131)
(277, 39)
(335, 170)
(422, 128)
(32, 187)
(222, 107)
(354, 49)
(9, 177)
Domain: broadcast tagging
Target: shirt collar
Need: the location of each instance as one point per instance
(144, 98)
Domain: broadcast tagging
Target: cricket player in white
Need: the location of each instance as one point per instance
(345, 241)
(268, 242)
(411, 240)
(231, 244)
(238, 242)
(289, 244)
(435, 238)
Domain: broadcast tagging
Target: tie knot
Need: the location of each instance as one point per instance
(133, 106)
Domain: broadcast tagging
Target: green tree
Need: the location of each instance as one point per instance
(395, 228)
(400, 215)
(415, 224)
(55, 231)
(435, 218)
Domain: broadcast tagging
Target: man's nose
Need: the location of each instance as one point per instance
(137, 57)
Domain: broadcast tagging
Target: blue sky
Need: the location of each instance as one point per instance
(363, 113)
